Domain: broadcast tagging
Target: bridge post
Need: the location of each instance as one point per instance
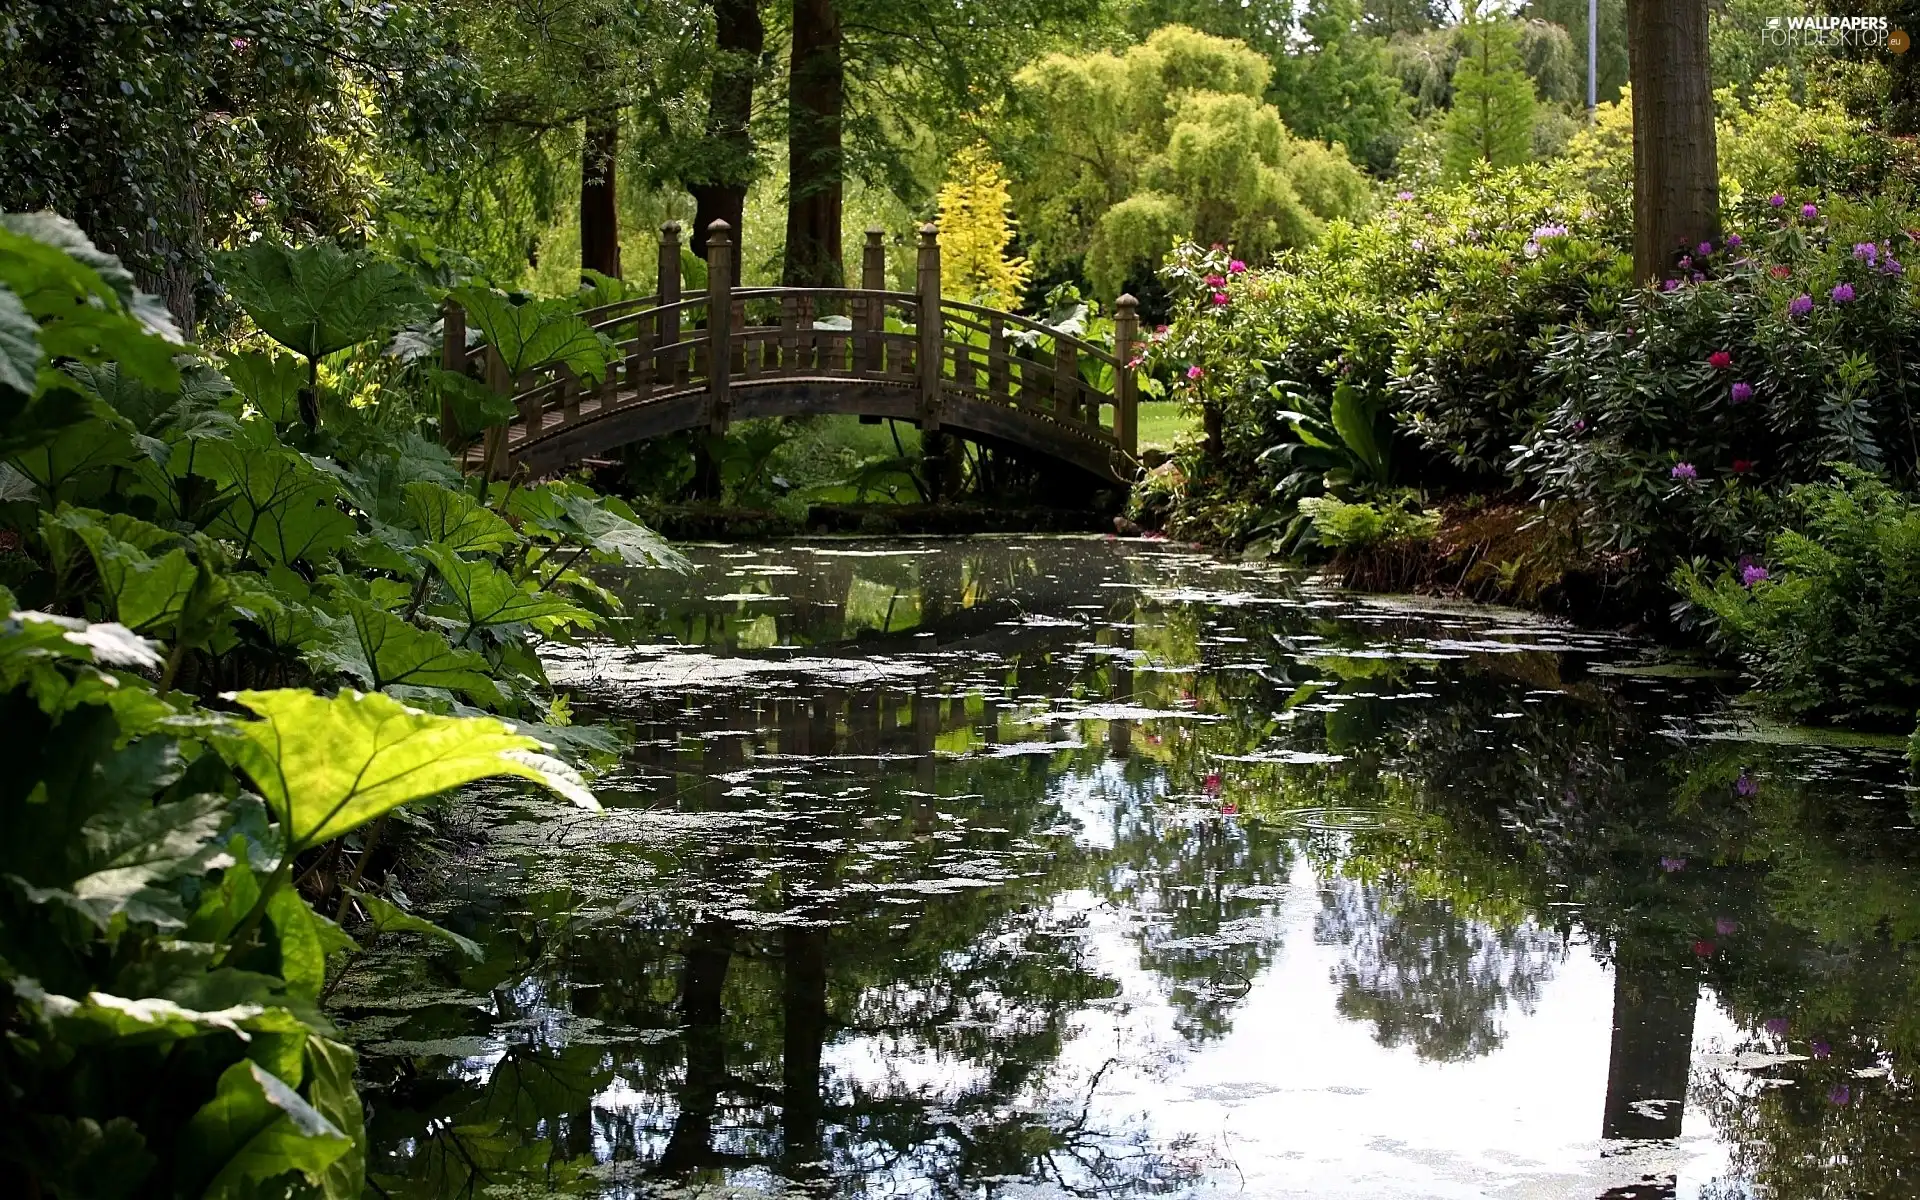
(453, 357)
(928, 364)
(872, 318)
(719, 323)
(1126, 383)
(666, 326)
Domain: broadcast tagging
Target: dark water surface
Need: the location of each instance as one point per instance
(1045, 868)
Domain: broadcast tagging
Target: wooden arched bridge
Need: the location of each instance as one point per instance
(700, 362)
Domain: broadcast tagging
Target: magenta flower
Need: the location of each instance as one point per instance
(1720, 360)
(1404, 196)
(1579, 424)
(1670, 865)
(1212, 784)
(1726, 926)
(1747, 785)
(1821, 1049)
(1809, 211)
(1196, 371)
(1706, 250)
(1735, 241)
(1742, 392)
(1216, 281)
(1236, 267)
(1685, 471)
(1669, 285)
(1686, 262)
(1800, 305)
(1751, 574)
(1867, 252)
(1843, 293)
(1703, 948)
(1778, 1026)
(1219, 298)
(1891, 266)
(1841, 1095)
(1777, 200)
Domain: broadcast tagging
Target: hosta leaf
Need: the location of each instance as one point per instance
(255, 1128)
(387, 917)
(455, 519)
(535, 333)
(485, 596)
(381, 650)
(319, 298)
(329, 765)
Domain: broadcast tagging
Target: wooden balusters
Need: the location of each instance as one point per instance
(1066, 378)
(999, 381)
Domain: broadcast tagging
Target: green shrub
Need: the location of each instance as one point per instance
(178, 536)
(1338, 525)
(1826, 621)
(1798, 351)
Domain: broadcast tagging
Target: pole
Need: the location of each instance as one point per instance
(1593, 58)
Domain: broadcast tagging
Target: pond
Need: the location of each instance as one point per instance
(1043, 868)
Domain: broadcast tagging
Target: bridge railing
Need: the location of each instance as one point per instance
(669, 347)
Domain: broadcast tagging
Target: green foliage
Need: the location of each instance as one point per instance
(1644, 394)
(1339, 88)
(1169, 141)
(160, 971)
(1825, 622)
(534, 333)
(1339, 525)
(1491, 120)
(318, 299)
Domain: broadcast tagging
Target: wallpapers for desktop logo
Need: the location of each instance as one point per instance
(1837, 33)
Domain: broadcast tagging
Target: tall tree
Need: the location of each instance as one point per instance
(1676, 175)
(1339, 87)
(721, 165)
(816, 159)
(1493, 99)
(599, 202)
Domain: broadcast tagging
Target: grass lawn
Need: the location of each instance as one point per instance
(1163, 422)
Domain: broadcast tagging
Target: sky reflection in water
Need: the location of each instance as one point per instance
(1038, 868)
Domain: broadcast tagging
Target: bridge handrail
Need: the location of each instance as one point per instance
(1079, 344)
(660, 353)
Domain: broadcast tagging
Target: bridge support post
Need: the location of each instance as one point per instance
(719, 324)
(871, 315)
(928, 358)
(453, 357)
(666, 326)
(936, 448)
(1126, 383)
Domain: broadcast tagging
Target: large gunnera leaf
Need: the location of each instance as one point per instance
(318, 298)
(329, 765)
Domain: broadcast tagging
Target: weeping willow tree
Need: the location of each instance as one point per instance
(1128, 154)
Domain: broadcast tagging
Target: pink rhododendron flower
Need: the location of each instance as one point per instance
(1196, 371)
(1843, 293)
(1742, 392)
(1236, 267)
(1720, 360)
(1800, 305)
(1219, 298)
(1685, 471)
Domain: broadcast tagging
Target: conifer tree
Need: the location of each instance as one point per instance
(976, 227)
(1493, 100)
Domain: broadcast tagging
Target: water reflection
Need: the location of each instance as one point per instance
(1042, 868)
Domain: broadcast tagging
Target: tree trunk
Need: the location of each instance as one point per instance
(720, 194)
(599, 210)
(1676, 172)
(816, 93)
